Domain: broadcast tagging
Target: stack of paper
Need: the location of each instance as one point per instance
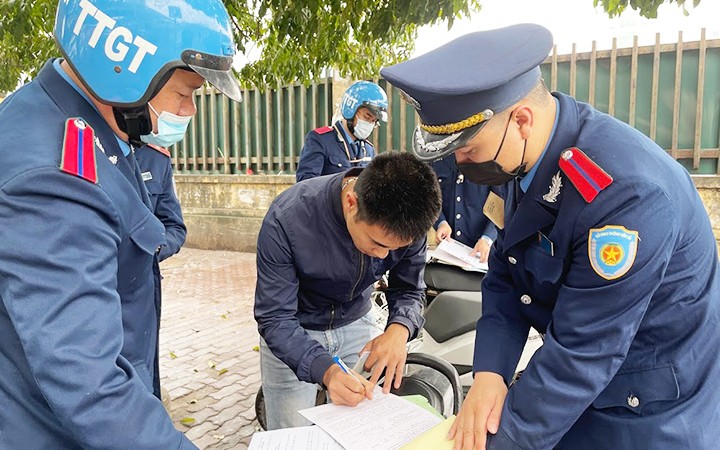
(455, 253)
(387, 422)
(300, 438)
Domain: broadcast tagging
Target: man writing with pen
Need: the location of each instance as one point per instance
(322, 245)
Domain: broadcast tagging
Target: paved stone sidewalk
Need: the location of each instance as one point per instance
(208, 363)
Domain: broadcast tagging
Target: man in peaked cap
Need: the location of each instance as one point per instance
(603, 245)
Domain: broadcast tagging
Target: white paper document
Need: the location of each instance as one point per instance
(300, 438)
(387, 422)
(450, 251)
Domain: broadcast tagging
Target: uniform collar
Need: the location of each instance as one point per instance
(349, 139)
(333, 192)
(527, 179)
(565, 136)
(72, 104)
(538, 207)
(56, 65)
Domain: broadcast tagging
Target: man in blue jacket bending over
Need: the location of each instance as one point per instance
(321, 247)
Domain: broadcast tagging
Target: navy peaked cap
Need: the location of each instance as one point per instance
(457, 87)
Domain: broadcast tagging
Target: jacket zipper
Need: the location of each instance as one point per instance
(352, 292)
(360, 274)
(332, 317)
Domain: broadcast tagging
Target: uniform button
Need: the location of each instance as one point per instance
(339, 164)
(525, 299)
(458, 216)
(458, 199)
(440, 180)
(461, 178)
(512, 260)
(633, 401)
(458, 233)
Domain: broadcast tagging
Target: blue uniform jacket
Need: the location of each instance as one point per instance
(157, 172)
(310, 275)
(462, 204)
(79, 305)
(627, 363)
(326, 151)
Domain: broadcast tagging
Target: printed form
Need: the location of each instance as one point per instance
(300, 438)
(387, 422)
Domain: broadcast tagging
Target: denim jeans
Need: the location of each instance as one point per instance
(285, 394)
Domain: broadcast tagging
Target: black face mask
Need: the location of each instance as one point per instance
(490, 172)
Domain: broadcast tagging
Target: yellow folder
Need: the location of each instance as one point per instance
(433, 439)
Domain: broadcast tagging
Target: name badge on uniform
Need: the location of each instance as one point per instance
(147, 176)
(546, 244)
(494, 209)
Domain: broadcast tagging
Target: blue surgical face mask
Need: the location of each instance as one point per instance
(363, 129)
(171, 129)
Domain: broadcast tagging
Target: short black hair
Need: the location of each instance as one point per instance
(400, 194)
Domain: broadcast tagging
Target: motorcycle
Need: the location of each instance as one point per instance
(454, 304)
(448, 336)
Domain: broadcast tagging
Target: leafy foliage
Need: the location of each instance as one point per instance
(26, 40)
(356, 37)
(646, 8)
(295, 39)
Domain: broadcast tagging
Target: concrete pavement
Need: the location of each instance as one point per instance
(208, 364)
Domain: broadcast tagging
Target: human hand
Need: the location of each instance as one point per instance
(480, 412)
(481, 250)
(346, 388)
(388, 352)
(443, 232)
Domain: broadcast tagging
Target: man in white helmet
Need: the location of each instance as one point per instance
(79, 280)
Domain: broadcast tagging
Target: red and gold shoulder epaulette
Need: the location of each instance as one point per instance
(323, 130)
(162, 150)
(78, 153)
(588, 177)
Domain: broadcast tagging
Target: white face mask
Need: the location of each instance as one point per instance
(363, 129)
(171, 129)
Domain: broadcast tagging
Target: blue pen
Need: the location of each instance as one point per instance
(345, 368)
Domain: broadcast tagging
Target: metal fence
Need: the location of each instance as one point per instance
(670, 92)
(262, 134)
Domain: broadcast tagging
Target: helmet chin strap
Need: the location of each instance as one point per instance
(351, 125)
(135, 122)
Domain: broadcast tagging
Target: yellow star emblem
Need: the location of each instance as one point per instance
(611, 254)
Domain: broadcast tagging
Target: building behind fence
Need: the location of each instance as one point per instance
(670, 92)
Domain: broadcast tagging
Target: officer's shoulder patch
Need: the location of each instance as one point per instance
(612, 250)
(162, 150)
(587, 177)
(78, 152)
(323, 130)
